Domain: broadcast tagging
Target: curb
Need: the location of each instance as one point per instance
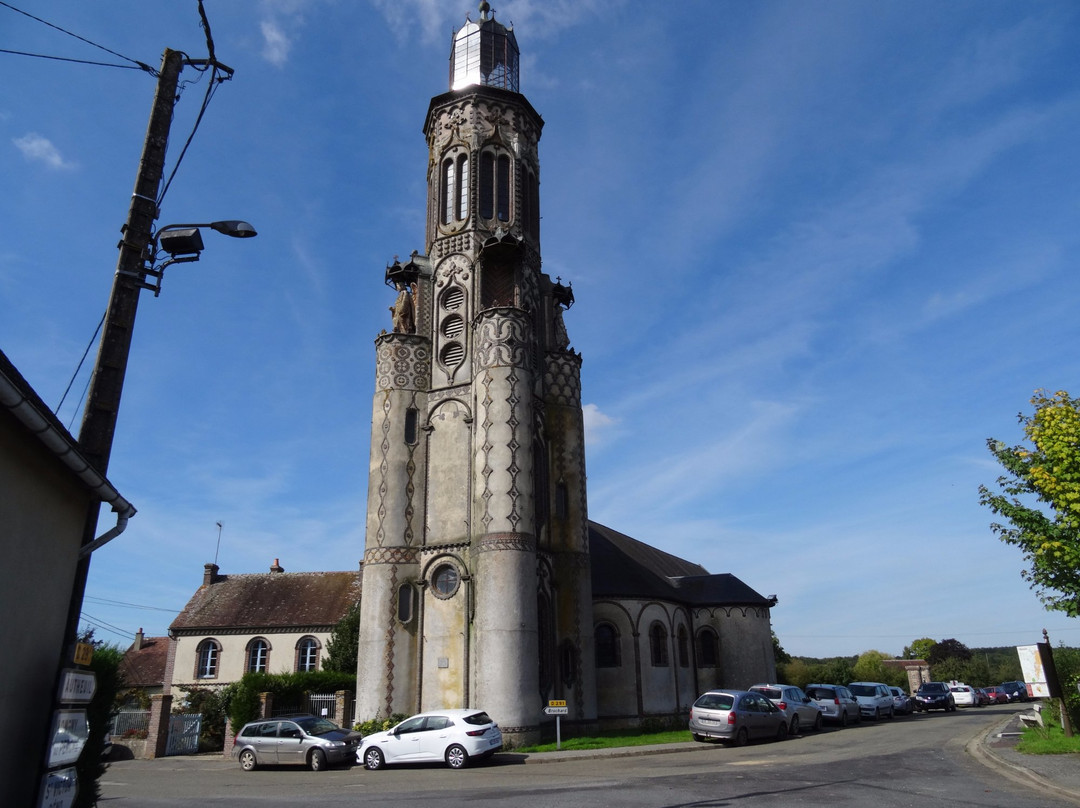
(979, 749)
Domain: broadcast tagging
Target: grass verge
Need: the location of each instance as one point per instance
(1048, 740)
(611, 741)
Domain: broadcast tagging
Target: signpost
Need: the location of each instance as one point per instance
(69, 734)
(59, 788)
(557, 708)
(77, 687)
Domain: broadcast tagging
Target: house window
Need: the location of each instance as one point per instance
(607, 646)
(208, 653)
(658, 651)
(708, 648)
(445, 580)
(258, 655)
(683, 644)
(307, 655)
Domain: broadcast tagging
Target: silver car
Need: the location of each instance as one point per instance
(736, 717)
(799, 709)
(301, 740)
(836, 703)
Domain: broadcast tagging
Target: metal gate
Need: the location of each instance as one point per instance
(184, 734)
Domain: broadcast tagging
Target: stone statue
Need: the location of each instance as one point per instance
(403, 312)
(562, 339)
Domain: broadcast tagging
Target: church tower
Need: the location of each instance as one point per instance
(476, 578)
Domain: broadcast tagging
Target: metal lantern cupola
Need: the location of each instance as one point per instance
(485, 53)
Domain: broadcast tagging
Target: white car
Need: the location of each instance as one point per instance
(875, 699)
(964, 696)
(453, 737)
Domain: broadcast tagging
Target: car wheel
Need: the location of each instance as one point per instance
(817, 723)
(373, 759)
(794, 730)
(742, 737)
(781, 731)
(877, 714)
(317, 761)
(892, 713)
(698, 738)
(247, 760)
(843, 718)
(457, 757)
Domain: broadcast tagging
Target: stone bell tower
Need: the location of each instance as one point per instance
(476, 579)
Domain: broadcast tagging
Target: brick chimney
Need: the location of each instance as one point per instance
(137, 645)
(210, 574)
(276, 567)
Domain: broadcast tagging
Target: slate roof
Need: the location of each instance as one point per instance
(623, 567)
(145, 667)
(269, 600)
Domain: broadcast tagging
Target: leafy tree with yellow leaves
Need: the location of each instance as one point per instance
(1040, 499)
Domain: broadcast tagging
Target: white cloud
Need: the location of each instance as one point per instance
(595, 423)
(35, 147)
(276, 44)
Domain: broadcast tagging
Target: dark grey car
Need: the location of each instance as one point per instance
(301, 740)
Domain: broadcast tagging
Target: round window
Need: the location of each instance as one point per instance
(445, 580)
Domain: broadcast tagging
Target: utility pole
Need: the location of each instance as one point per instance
(103, 402)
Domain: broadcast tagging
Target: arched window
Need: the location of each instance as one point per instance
(207, 657)
(454, 189)
(683, 644)
(530, 203)
(708, 648)
(606, 639)
(658, 650)
(406, 600)
(307, 655)
(494, 186)
(258, 656)
(568, 663)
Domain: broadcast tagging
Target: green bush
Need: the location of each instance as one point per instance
(373, 725)
(243, 704)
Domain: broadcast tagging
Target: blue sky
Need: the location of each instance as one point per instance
(821, 251)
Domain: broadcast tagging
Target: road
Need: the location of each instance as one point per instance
(911, 761)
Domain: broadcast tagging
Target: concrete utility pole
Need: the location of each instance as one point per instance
(103, 402)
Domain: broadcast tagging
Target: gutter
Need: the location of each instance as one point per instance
(58, 441)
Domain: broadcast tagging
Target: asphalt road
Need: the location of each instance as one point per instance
(911, 761)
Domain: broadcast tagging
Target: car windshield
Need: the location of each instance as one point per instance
(715, 701)
(863, 690)
(478, 719)
(316, 726)
(933, 687)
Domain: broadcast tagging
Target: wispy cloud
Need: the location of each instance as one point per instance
(38, 148)
(276, 45)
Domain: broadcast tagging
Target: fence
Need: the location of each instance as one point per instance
(130, 721)
(334, 706)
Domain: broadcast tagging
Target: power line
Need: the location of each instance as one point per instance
(139, 65)
(107, 602)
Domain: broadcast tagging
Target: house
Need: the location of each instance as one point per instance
(47, 492)
(273, 622)
(144, 663)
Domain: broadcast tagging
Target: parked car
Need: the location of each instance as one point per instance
(301, 740)
(934, 696)
(454, 737)
(997, 695)
(736, 717)
(1016, 691)
(964, 696)
(875, 699)
(795, 704)
(982, 698)
(902, 702)
(835, 702)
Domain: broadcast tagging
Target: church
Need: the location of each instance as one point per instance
(484, 583)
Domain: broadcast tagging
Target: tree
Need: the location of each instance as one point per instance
(343, 647)
(948, 649)
(106, 667)
(779, 654)
(1046, 475)
(919, 649)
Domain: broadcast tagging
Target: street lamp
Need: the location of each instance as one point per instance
(183, 243)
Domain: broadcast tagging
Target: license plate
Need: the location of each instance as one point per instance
(493, 742)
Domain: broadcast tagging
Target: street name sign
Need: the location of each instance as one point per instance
(69, 734)
(556, 711)
(59, 789)
(77, 687)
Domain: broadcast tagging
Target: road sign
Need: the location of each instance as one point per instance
(77, 687)
(69, 735)
(556, 710)
(84, 652)
(59, 788)
(556, 702)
